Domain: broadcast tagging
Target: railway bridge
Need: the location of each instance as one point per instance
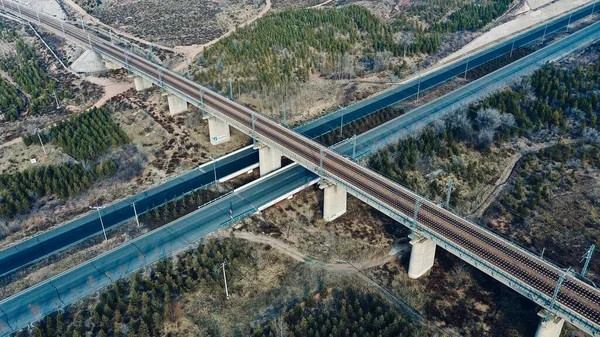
(562, 295)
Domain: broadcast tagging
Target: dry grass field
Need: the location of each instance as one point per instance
(173, 22)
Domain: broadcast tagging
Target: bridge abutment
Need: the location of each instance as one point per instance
(141, 83)
(550, 327)
(422, 255)
(335, 201)
(177, 105)
(110, 65)
(269, 159)
(218, 130)
(88, 63)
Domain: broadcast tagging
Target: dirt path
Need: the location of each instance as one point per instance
(111, 88)
(80, 11)
(321, 4)
(190, 52)
(509, 171)
(494, 191)
(340, 267)
(344, 267)
(11, 142)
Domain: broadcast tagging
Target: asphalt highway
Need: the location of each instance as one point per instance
(423, 115)
(48, 296)
(65, 236)
(69, 234)
(576, 301)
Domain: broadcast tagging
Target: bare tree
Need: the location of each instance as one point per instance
(485, 138)
(488, 119)
(460, 121)
(280, 327)
(507, 121)
(591, 135)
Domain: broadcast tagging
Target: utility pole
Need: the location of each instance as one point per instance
(419, 88)
(215, 171)
(90, 41)
(354, 147)
(127, 61)
(41, 143)
(588, 258)
(342, 120)
(284, 114)
(466, 69)
(449, 186)
(321, 155)
(56, 99)
(512, 47)
(569, 23)
(416, 215)
(160, 81)
(202, 99)
(137, 220)
(544, 37)
(98, 208)
(230, 91)
(556, 291)
(225, 279)
(321, 173)
(253, 128)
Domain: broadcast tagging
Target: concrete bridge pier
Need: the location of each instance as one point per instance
(141, 83)
(218, 130)
(335, 201)
(550, 327)
(269, 159)
(422, 255)
(177, 105)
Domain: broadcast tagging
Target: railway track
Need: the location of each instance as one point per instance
(574, 296)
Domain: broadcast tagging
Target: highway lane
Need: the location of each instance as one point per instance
(491, 249)
(62, 237)
(48, 296)
(406, 124)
